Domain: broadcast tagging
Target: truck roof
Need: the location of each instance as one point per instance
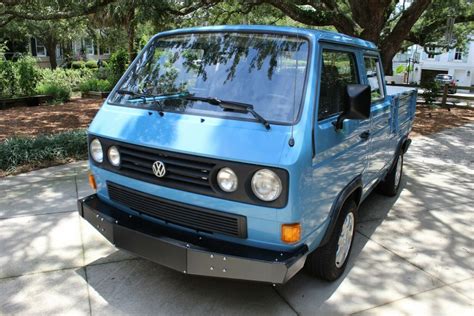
(318, 35)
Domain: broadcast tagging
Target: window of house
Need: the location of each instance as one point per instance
(458, 54)
(89, 46)
(338, 70)
(373, 71)
(40, 48)
(431, 52)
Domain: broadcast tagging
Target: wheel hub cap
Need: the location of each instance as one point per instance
(345, 240)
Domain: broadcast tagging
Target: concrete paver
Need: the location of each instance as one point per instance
(47, 196)
(440, 301)
(466, 288)
(61, 292)
(374, 276)
(39, 243)
(140, 287)
(411, 255)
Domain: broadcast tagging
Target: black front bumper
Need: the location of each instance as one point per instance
(188, 252)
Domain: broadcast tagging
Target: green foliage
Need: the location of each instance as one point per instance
(91, 64)
(95, 84)
(400, 69)
(9, 85)
(29, 75)
(70, 78)
(117, 64)
(18, 78)
(35, 151)
(78, 64)
(431, 90)
(59, 91)
(3, 49)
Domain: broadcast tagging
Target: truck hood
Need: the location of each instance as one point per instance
(228, 139)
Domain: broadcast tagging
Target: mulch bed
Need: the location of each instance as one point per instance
(78, 113)
(47, 119)
(429, 121)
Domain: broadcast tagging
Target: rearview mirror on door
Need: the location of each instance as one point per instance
(357, 104)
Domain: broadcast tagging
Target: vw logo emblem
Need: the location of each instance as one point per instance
(159, 169)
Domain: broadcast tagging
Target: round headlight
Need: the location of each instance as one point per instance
(266, 185)
(114, 156)
(227, 180)
(96, 150)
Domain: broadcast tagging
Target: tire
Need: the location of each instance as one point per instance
(322, 263)
(390, 185)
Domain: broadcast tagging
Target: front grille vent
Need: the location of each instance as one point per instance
(181, 171)
(190, 216)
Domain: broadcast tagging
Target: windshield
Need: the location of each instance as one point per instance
(264, 70)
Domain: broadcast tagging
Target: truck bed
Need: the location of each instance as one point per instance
(402, 109)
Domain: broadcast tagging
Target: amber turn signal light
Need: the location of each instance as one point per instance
(290, 233)
(92, 181)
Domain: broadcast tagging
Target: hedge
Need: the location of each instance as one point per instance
(42, 150)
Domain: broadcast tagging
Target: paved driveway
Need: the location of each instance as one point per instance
(413, 254)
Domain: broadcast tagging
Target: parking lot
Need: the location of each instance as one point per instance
(413, 254)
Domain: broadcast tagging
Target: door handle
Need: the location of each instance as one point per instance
(365, 135)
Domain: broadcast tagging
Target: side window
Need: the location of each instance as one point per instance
(372, 68)
(338, 70)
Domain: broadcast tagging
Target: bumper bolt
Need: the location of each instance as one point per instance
(225, 259)
(116, 222)
(224, 270)
(212, 256)
(211, 268)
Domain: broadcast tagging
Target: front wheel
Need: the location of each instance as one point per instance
(390, 185)
(329, 261)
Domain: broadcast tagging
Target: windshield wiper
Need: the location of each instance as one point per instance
(145, 96)
(231, 106)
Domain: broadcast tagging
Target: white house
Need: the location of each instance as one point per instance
(424, 66)
(82, 49)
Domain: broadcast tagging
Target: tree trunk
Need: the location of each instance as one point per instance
(131, 42)
(51, 44)
(131, 34)
(387, 56)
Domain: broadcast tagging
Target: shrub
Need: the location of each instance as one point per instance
(91, 64)
(28, 74)
(117, 65)
(431, 90)
(96, 85)
(71, 78)
(78, 64)
(40, 150)
(60, 92)
(9, 83)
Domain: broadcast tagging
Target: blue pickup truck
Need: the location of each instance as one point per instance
(244, 152)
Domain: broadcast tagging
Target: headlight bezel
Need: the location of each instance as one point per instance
(96, 144)
(111, 160)
(271, 176)
(232, 173)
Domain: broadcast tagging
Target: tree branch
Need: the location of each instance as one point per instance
(11, 14)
